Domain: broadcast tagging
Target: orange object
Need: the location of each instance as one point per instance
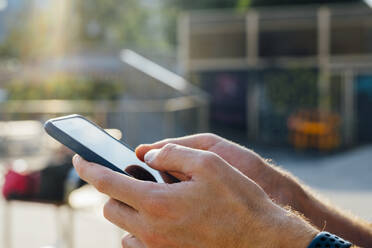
(312, 129)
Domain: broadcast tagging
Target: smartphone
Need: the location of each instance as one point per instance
(95, 145)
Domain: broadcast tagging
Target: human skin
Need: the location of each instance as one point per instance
(281, 187)
(214, 206)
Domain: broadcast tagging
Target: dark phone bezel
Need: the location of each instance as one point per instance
(79, 148)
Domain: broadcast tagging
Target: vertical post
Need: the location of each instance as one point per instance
(348, 106)
(70, 227)
(64, 226)
(59, 227)
(324, 38)
(184, 44)
(252, 93)
(7, 224)
(252, 45)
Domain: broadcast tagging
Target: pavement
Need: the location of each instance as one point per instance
(345, 178)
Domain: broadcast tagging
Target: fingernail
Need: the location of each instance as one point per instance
(151, 155)
(76, 159)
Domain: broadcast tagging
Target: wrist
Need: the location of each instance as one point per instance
(293, 230)
(283, 188)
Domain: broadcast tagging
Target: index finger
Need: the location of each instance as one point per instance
(118, 186)
(198, 141)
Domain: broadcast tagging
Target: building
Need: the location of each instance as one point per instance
(261, 66)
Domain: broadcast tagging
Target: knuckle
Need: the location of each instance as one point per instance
(156, 204)
(166, 150)
(151, 203)
(102, 182)
(210, 137)
(209, 161)
(167, 141)
(209, 158)
(108, 209)
(169, 147)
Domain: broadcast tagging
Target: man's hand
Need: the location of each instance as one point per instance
(217, 206)
(283, 189)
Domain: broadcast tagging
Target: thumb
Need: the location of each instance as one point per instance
(179, 159)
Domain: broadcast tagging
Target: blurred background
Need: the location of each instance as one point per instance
(290, 79)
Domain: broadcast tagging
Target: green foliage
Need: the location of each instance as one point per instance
(65, 88)
(114, 22)
(66, 26)
(243, 4)
(51, 31)
(291, 89)
(7, 50)
(35, 33)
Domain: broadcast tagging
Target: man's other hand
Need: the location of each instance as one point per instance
(283, 189)
(216, 206)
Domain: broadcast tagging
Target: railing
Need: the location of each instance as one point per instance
(157, 102)
(105, 111)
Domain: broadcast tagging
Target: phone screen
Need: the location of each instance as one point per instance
(101, 143)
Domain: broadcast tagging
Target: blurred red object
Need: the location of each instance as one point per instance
(20, 186)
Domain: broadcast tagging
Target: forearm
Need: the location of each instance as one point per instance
(327, 217)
